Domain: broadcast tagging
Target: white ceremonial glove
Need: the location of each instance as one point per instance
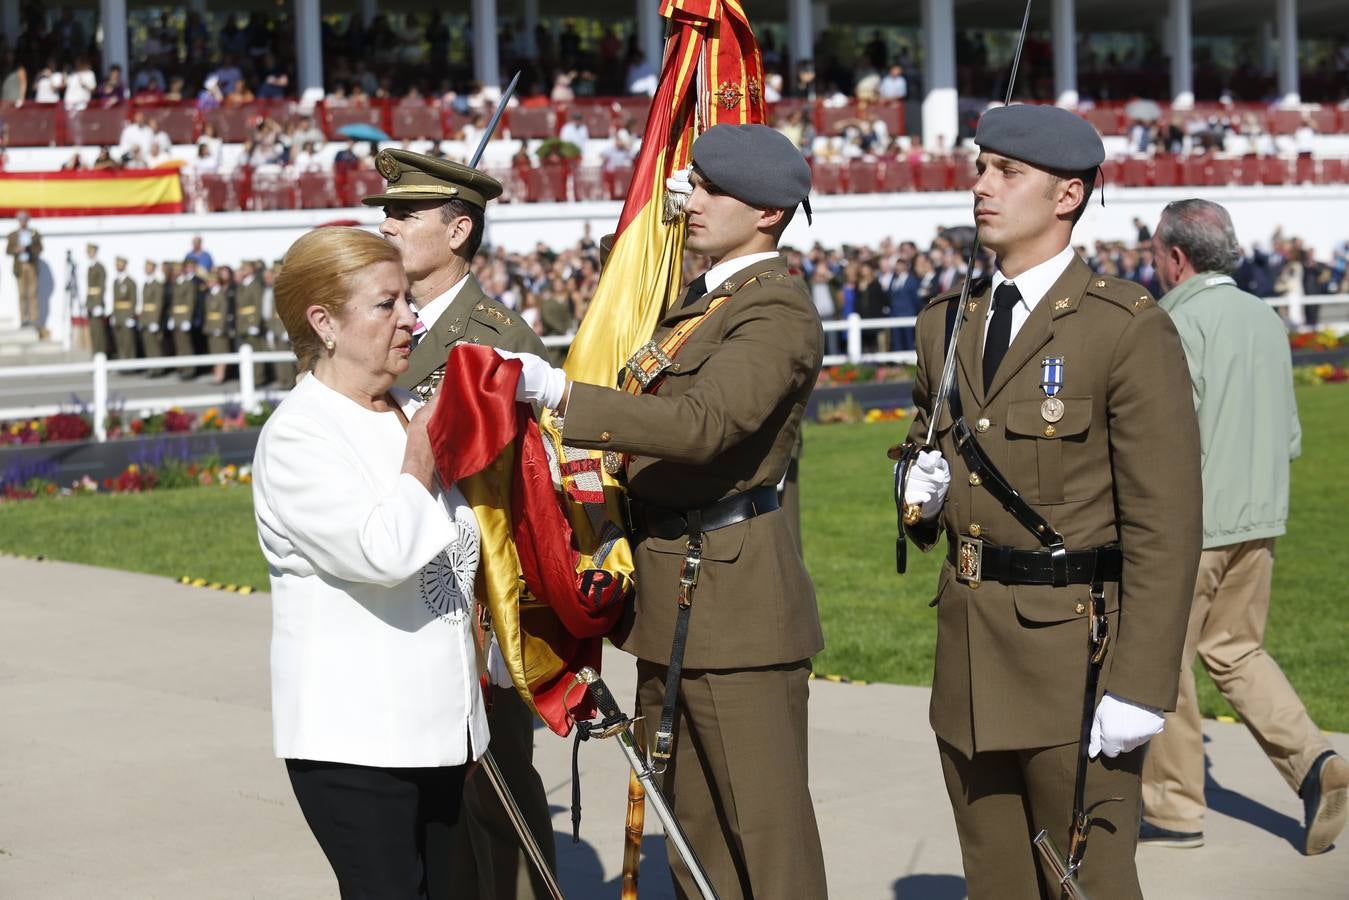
(130, 323)
(97, 311)
(154, 327)
(1121, 726)
(253, 331)
(929, 479)
(539, 381)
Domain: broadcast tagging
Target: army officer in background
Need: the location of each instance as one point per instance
(1076, 388)
(705, 422)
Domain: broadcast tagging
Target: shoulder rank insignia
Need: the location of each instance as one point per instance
(493, 312)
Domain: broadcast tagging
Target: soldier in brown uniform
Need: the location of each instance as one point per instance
(1069, 382)
(706, 419)
(434, 213)
(152, 313)
(183, 312)
(124, 310)
(248, 323)
(96, 302)
(283, 373)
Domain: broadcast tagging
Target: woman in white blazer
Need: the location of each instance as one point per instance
(376, 705)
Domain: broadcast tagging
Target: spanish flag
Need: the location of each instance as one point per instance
(112, 192)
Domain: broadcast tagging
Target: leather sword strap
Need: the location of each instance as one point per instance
(663, 747)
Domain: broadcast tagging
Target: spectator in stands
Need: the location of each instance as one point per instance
(49, 84)
(74, 164)
(204, 163)
(1290, 287)
(80, 85)
(135, 133)
(826, 304)
(149, 82)
(199, 256)
(305, 159)
(113, 89)
(1304, 138)
(210, 96)
(575, 130)
(134, 158)
(309, 133)
(562, 92)
(15, 87)
(175, 92)
(239, 95)
(275, 80)
(894, 86)
(211, 142)
(104, 160)
(641, 77)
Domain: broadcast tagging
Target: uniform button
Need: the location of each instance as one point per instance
(1080, 608)
(1049, 431)
(976, 529)
(604, 435)
(975, 479)
(981, 426)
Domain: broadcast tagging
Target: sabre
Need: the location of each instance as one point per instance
(615, 724)
(527, 840)
(948, 371)
(496, 117)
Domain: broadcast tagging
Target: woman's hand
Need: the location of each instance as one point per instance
(419, 460)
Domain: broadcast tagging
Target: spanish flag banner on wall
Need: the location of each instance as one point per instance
(101, 193)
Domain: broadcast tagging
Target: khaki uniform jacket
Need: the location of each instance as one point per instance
(724, 421)
(248, 311)
(96, 285)
(1122, 465)
(474, 318)
(123, 300)
(219, 305)
(13, 249)
(183, 308)
(152, 303)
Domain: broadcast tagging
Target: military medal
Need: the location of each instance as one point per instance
(1051, 382)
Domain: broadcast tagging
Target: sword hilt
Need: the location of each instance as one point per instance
(600, 693)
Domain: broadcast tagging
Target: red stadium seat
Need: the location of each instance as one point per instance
(633, 111)
(863, 177)
(1304, 171)
(1273, 170)
(416, 122)
(892, 114)
(1248, 170)
(1140, 172)
(1222, 170)
(832, 119)
(1284, 121)
(34, 124)
(360, 183)
(315, 191)
(181, 123)
(1106, 121)
(525, 122)
(217, 192)
(597, 118)
(896, 176)
(963, 173)
(547, 183)
(587, 183)
(337, 116)
(232, 124)
(827, 178)
(96, 127)
(1112, 172)
(1334, 171)
(934, 175)
(270, 192)
(1194, 169)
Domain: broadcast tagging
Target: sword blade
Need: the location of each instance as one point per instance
(492, 125)
(531, 846)
(1057, 863)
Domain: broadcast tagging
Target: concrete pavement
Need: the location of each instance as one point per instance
(135, 762)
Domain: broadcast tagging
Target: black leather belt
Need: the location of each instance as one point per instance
(658, 521)
(977, 561)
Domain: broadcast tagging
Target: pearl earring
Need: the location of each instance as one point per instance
(329, 343)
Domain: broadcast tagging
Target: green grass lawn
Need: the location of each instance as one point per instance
(877, 624)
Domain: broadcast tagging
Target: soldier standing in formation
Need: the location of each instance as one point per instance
(248, 322)
(152, 312)
(283, 373)
(217, 322)
(124, 310)
(96, 300)
(704, 424)
(434, 213)
(182, 314)
(1065, 380)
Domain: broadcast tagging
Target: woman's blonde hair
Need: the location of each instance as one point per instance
(319, 269)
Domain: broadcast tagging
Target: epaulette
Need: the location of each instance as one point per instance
(490, 315)
(1128, 295)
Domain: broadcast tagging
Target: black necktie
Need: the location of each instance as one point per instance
(999, 330)
(697, 288)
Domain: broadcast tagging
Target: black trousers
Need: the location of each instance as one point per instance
(385, 831)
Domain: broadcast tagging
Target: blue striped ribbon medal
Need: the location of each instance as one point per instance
(1051, 382)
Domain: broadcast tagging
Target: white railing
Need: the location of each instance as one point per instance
(247, 394)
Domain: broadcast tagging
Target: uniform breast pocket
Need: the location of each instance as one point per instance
(677, 378)
(1047, 452)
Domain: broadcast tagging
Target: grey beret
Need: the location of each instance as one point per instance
(754, 164)
(1044, 136)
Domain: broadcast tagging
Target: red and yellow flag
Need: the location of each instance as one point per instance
(99, 193)
(712, 74)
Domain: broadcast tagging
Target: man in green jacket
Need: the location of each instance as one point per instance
(1241, 375)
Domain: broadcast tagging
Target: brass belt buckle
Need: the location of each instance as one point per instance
(649, 350)
(969, 560)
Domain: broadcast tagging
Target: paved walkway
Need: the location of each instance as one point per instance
(135, 762)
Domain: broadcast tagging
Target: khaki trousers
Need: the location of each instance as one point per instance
(98, 335)
(738, 780)
(1227, 632)
(486, 858)
(28, 307)
(1001, 800)
(126, 342)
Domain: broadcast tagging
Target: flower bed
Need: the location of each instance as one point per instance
(848, 373)
(38, 481)
(1318, 341)
(77, 425)
(1326, 373)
